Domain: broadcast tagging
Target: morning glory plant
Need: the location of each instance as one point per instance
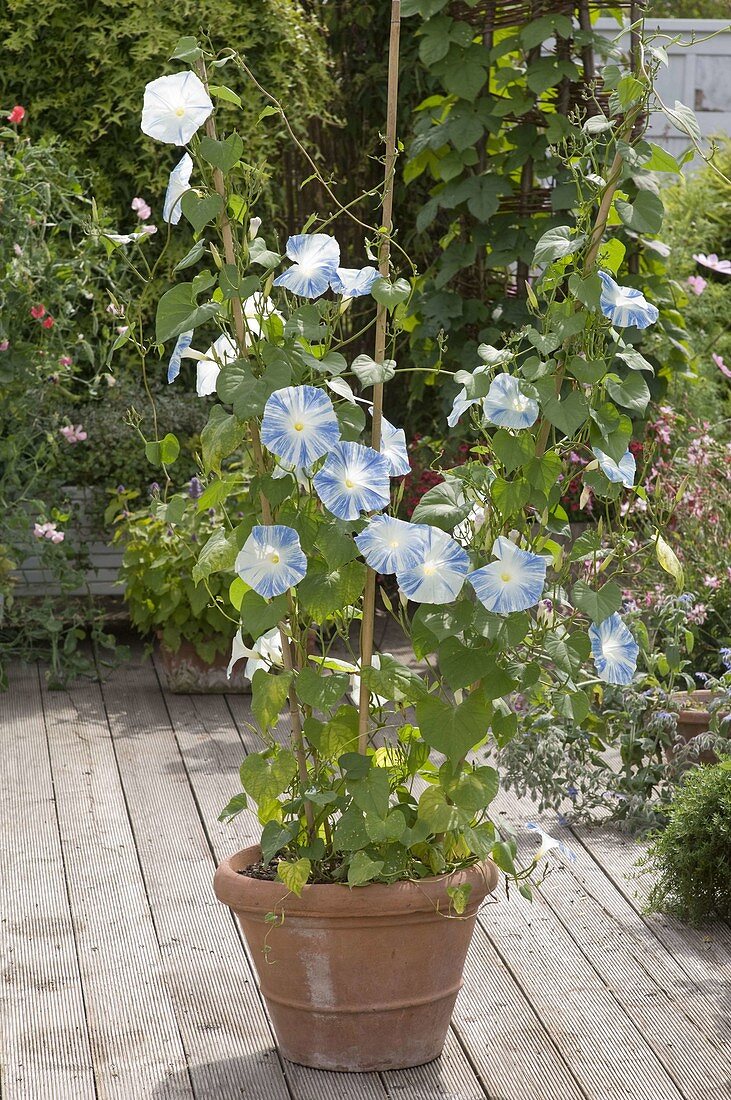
(389, 772)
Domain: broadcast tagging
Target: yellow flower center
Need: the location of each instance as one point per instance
(299, 426)
(505, 577)
(275, 559)
(394, 544)
(349, 484)
(180, 111)
(428, 570)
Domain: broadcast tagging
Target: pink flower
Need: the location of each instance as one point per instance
(711, 582)
(4, 345)
(150, 229)
(121, 329)
(697, 283)
(141, 209)
(115, 310)
(38, 311)
(16, 115)
(48, 322)
(73, 434)
(712, 261)
(48, 531)
(718, 360)
(17, 250)
(66, 361)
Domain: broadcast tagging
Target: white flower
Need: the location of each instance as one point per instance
(353, 282)
(393, 446)
(624, 305)
(222, 351)
(460, 405)
(506, 406)
(465, 530)
(265, 653)
(354, 479)
(614, 650)
(271, 560)
(549, 842)
(620, 473)
(299, 425)
(316, 257)
(181, 346)
(254, 227)
(178, 184)
(256, 308)
(174, 107)
(130, 238)
(512, 583)
(439, 574)
(390, 545)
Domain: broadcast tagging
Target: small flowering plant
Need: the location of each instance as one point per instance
(385, 775)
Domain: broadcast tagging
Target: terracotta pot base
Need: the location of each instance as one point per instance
(356, 980)
(188, 674)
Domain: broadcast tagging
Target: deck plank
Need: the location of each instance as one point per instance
(44, 1039)
(134, 1035)
(225, 1032)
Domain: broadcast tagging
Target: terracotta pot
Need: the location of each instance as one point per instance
(356, 979)
(694, 718)
(188, 674)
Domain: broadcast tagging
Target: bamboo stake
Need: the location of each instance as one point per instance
(384, 254)
(253, 428)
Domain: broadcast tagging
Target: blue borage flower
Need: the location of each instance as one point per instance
(354, 479)
(393, 447)
(174, 107)
(620, 473)
(221, 352)
(614, 650)
(460, 406)
(353, 282)
(390, 545)
(512, 583)
(178, 184)
(315, 259)
(181, 346)
(624, 305)
(271, 560)
(440, 572)
(299, 425)
(549, 842)
(506, 406)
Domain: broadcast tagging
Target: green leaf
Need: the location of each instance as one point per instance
(439, 814)
(598, 605)
(294, 875)
(220, 91)
(394, 681)
(632, 392)
(444, 506)
(269, 692)
(336, 737)
(218, 555)
(644, 214)
(236, 592)
(274, 837)
(567, 413)
(661, 161)
(459, 664)
(390, 294)
(266, 775)
(474, 789)
(634, 360)
(371, 793)
(363, 869)
(454, 730)
(192, 256)
(261, 255)
(568, 653)
(459, 896)
(259, 615)
(370, 373)
(467, 78)
(510, 497)
(319, 689)
(324, 592)
(513, 450)
(684, 119)
(556, 243)
(222, 154)
(169, 449)
(200, 210)
(350, 833)
(186, 49)
(336, 544)
(177, 312)
(233, 808)
(220, 437)
(669, 560)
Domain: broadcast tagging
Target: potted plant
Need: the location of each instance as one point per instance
(377, 845)
(194, 624)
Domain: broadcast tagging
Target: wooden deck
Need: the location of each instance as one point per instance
(123, 978)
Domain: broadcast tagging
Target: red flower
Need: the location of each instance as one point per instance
(48, 322)
(37, 312)
(17, 114)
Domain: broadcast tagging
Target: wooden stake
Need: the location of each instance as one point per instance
(384, 254)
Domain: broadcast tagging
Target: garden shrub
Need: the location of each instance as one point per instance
(78, 69)
(692, 856)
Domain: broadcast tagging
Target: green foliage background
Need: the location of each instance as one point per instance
(80, 69)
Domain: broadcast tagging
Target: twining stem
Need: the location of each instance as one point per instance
(384, 255)
(288, 658)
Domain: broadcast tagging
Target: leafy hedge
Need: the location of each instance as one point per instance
(80, 70)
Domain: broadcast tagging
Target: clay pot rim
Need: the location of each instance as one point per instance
(693, 704)
(335, 900)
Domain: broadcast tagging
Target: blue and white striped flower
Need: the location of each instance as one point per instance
(624, 305)
(620, 473)
(506, 406)
(390, 545)
(174, 107)
(439, 573)
(271, 560)
(354, 479)
(353, 282)
(460, 406)
(393, 446)
(299, 425)
(548, 843)
(614, 650)
(182, 344)
(178, 184)
(221, 352)
(514, 582)
(315, 259)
